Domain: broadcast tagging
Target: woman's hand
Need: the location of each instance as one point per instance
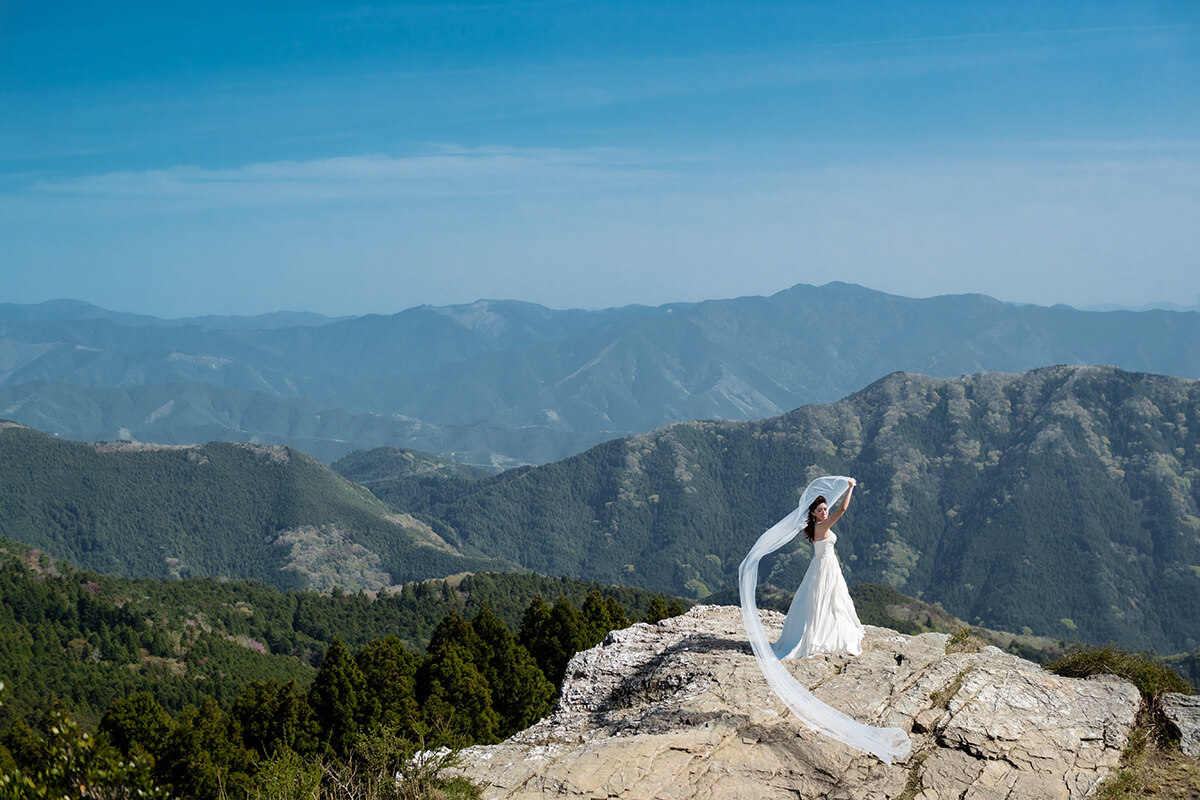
(842, 506)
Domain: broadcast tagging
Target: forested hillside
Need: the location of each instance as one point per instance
(223, 510)
(409, 478)
(1063, 500)
(89, 638)
(386, 464)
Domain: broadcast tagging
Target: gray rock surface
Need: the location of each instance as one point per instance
(1183, 711)
(680, 710)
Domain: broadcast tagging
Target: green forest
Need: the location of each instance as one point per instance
(206, 686)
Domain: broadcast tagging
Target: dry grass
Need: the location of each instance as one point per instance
(942, 697)
(1153, 770)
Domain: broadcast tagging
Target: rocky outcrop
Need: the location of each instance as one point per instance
(680, 710)
(1183, 712)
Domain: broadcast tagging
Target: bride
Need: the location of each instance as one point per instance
(822, 617)
(831, 626)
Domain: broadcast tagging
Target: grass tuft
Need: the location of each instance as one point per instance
(964, 640)
(1159, 772)
(1149, 674)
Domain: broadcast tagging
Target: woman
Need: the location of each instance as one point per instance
(889, 744)
(822, 617)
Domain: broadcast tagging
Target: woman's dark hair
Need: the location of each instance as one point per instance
(810, 527)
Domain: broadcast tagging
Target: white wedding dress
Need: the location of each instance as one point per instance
(822, 618)
(887, 744)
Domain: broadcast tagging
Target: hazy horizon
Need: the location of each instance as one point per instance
(1159, 306)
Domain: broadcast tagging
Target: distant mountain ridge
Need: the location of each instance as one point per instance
(505, 382)
(184, 413)
(64, 309)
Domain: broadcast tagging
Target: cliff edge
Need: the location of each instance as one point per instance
(680, 710)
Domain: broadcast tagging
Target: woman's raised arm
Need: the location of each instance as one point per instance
(841, 509)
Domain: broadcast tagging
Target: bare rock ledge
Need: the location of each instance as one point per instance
(680, 710)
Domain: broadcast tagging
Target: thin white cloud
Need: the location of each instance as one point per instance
(444, 170)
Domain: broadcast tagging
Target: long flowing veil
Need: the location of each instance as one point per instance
(886, 743)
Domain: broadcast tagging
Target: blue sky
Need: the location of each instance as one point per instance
(347, 159)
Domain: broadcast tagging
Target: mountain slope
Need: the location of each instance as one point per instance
(1064, 499)
(228, 510)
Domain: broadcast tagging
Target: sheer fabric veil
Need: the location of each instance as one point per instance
(886, 743)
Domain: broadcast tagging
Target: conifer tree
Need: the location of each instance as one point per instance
(453, 629)
(271, 715)
(390, 672)
(457, 703)
(552, 635)
(520, 691)
(137, 725)
(601, 615)
(570, 633)
(339, 698)
(201, 759)
(535, 634)
(657, 610)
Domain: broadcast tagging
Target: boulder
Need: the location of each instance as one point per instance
(1183, 712)
(681, 710)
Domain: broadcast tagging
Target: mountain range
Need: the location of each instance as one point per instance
(501, 383)
(1064, 501)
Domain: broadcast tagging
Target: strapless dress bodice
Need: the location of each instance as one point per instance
(825, 545)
